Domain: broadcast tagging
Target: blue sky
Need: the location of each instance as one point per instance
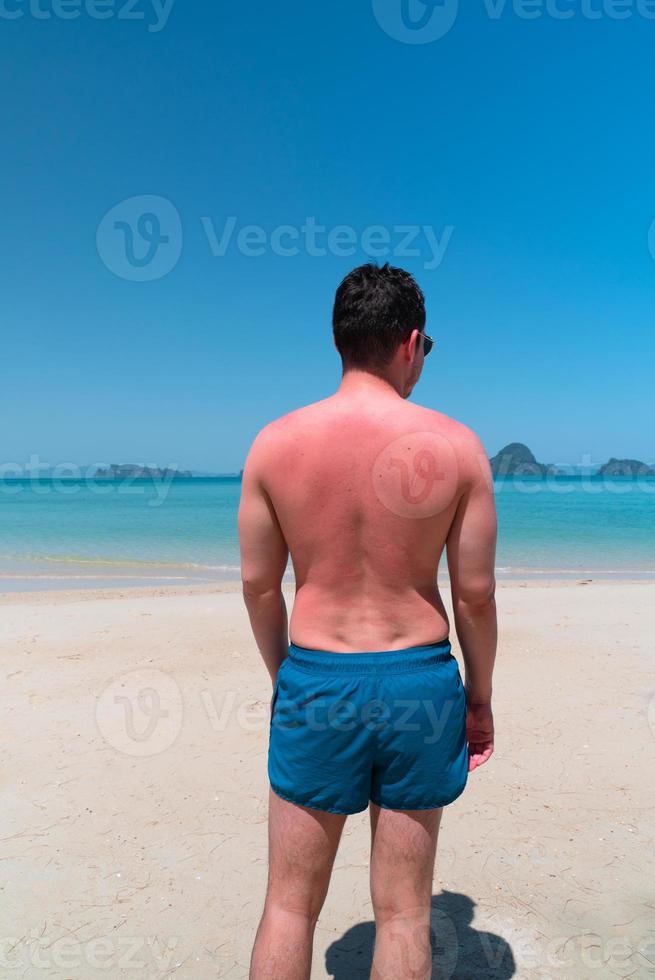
(525, 146)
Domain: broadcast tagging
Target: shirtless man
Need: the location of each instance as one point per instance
(365, 490)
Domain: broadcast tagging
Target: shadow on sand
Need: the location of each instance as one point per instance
(459, 952)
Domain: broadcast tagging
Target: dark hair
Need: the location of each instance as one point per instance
(375, 310)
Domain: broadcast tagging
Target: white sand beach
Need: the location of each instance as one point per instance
(134, 794)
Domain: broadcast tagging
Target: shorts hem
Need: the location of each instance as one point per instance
(313, 806)
(420, 806)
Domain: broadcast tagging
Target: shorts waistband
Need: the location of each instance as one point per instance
(384, 661)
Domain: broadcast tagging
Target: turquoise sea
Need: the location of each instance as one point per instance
(67, 533)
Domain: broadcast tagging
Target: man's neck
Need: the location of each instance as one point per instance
(356, 381)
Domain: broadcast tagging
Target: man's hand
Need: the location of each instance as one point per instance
(479, 733)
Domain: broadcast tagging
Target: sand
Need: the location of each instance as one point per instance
(134, 794)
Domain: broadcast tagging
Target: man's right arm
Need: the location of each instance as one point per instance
(471, 550)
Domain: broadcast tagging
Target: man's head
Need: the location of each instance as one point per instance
(378, 320)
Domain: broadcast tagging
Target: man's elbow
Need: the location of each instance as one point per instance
(477, 595)
(255, 588)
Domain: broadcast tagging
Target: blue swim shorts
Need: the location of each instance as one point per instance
(389, 727)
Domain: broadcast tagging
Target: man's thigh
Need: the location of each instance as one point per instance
(302, 846)
(403, 848)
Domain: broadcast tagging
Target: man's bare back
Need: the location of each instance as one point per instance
(365, 486)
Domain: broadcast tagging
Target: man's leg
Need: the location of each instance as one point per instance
(302, 846)
(403, 849)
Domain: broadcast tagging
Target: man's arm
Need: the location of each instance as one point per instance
(264, 556)
(471, 549)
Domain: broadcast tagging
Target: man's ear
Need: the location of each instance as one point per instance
(411, 345)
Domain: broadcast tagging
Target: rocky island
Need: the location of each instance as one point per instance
(133, 471)
(626, 467)
(517, 460)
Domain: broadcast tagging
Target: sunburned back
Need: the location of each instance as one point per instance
(365, 492)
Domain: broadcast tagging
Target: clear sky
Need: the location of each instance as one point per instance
(525, 147)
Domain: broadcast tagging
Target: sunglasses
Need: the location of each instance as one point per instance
(428, 344)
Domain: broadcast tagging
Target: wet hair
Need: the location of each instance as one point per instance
(375, 310)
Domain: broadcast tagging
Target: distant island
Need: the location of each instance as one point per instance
(626, 467)
(517, 460)
(131, 471)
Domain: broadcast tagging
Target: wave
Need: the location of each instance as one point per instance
(118, 562)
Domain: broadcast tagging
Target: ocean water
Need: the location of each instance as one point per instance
(71, 533)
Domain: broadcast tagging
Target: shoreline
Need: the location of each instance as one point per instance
(58, 594)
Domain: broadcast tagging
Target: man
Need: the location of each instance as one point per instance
(365, 490)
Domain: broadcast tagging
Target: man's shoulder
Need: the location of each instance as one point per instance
(466, 447)
(457, 432)
(285, 428)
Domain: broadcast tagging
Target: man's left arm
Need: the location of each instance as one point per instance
(264, 556)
